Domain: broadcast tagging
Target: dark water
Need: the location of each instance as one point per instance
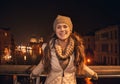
(26, 80)
(107, 81)
(99, 81)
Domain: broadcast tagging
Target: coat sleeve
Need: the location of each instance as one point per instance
(88, 71)
(39, 68)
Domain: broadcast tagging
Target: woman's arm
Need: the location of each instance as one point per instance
(90, 73)
(37, 70)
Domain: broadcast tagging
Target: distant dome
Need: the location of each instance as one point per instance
(33, 40)
(40, 39)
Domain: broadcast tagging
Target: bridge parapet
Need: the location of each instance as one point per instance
(24, 70)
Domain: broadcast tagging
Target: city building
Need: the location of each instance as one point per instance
(89, 42)
(6, 44)
(107, 45)
(36, 44)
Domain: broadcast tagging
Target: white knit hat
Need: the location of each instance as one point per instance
(62, 19)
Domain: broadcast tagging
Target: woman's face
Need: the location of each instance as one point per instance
(62, 31)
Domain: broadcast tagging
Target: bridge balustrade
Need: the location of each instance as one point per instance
(24, 70)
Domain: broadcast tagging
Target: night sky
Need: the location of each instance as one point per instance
(28, 18)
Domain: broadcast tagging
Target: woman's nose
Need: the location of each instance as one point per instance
(62, 28)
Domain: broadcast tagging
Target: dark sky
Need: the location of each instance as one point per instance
(35, 17)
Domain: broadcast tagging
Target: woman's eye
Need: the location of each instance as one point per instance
(58, 27)
(65, 26)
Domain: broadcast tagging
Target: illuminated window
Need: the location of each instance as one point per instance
(33, 40)
(6, 34)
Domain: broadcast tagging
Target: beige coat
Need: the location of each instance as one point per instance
(56, 74)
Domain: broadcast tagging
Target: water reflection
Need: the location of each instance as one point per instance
(99, 81)
(88, 81)
(26, 80)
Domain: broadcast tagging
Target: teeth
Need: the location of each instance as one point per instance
(63, 33)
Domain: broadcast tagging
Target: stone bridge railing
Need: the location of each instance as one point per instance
(24, 70)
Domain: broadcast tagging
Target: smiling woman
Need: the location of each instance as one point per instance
(63, 56)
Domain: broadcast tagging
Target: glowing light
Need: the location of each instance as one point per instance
(6, 34)
(33, 40)
(40, 50)
(7, 55)
(25, 58)
(88, 81)
(88, 60)
(24, 49)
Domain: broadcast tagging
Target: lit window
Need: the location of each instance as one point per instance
(6, 34)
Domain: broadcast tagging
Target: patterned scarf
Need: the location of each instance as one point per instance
(68, 50)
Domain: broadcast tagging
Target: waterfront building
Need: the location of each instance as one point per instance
(89, 42)
(6, 44)
(107, 45)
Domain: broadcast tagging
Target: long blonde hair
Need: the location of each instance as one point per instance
(78, 53)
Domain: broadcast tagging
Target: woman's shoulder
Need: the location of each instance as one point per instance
(44, 45)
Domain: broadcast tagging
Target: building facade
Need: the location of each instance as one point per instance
(5, 42)
(107, 46)
(89, 42)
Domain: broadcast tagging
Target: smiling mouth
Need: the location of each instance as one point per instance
(63, 33)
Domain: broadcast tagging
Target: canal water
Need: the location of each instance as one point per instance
(99, 81)
(26, 80)
(107, 81)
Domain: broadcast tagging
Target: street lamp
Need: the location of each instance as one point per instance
(88, 61)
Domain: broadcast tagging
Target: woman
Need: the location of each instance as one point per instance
(63, 56)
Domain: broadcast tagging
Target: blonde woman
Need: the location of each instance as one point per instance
(63, 55)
